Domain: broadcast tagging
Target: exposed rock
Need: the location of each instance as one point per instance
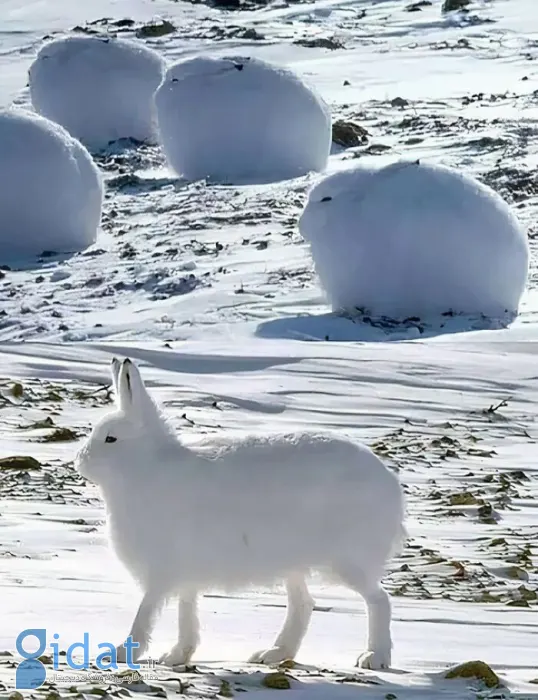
(276, 681)
(321, 43)
(451, 5)
(155, 29)
(475, 669)
(417, 6)
(349, 134)
(22, 462)
(60, 435)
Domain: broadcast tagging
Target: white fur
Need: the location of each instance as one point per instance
(51, 191)
(98, 88)
(241, 120)
(415, 239)
(237, 511)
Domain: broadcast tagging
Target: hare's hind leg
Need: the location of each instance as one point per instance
(188, 632)
(142, 627)
(300, 607)
(378, 609)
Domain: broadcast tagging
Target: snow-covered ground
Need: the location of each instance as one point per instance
(211, 289)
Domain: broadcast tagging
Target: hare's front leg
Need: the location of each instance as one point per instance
(143, 624)
(188, 633)
(300, 607)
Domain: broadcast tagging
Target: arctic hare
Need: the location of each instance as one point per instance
(237, 511)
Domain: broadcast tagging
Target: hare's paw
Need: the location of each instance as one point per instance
(273, 656)
(374, 660)
(179, 655)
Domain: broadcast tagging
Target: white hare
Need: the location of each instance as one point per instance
(236, 511)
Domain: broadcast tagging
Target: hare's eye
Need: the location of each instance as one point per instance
(110, 438)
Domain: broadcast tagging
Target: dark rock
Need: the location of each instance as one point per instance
(320, 43)
(60, 435)
(377, 148)
(228, 4)
(349, 134)
(475, 669)
(417, 6)
(124, 22)
(452, 5)
(252, 34)
(155, 29)
(19, 462)
(128, 252)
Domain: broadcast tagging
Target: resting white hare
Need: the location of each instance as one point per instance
(237, 511)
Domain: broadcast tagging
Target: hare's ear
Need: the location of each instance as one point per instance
(133, 395)
(115, 367)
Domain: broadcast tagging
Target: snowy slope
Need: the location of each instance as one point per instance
(214, 289)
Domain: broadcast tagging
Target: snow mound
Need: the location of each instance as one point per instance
(100, 89)
(241, 120)
(51, 194)
(411, 239)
